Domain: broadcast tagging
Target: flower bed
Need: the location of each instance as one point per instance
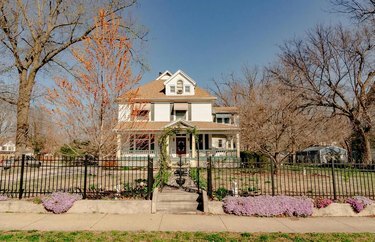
(359, 203)
(268, 206)
(322, 202)
(3, 198)
(60, 202)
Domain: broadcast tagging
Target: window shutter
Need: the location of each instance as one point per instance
(152, 111)
(171, 112)
(189, 111)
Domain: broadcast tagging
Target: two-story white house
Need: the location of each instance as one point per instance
(175, 100)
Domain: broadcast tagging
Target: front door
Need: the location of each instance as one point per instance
(181, 145)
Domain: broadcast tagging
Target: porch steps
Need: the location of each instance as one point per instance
(178, 201)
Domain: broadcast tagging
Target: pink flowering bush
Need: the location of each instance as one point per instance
(268, 206)
(3, 198)
(60, 202)
(322, 202)
(359, 203)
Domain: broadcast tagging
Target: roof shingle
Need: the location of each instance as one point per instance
(156, 90)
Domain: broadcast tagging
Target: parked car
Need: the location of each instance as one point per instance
(91, 161)
(8, 163)
(32, 162)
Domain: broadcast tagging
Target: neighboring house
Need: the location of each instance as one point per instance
(7, 149)
(322, 154)
(175, 100)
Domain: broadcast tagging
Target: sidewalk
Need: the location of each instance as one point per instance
(173, 222)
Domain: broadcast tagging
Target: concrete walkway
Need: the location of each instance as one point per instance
(172, 222)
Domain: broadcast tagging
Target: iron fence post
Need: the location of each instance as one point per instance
(209, 177)
(272, 179)
(198, 174)
(20, 192)
(85, 178)
(333, 180)
(150, 176)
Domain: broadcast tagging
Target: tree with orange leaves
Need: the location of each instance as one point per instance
(85, 106)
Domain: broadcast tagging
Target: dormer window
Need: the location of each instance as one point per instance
(173, 89)
(187, 89)
(180, 86)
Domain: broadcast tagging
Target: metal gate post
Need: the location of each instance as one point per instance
(20, 191)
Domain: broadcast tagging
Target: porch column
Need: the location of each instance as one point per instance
(118, 153)
(156, 145)
(193, 153)
(238, 145)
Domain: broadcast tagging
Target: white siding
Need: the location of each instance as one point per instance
(162, 112)
(201, 112)
(124, 112)
(173, 82)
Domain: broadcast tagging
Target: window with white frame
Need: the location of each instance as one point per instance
(142, 142)
(187, 89)
(180, 86)
(172, 89)
(180, 114)
(220, 143)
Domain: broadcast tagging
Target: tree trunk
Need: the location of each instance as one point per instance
(367, 157)
(23, 106)
(365, 146)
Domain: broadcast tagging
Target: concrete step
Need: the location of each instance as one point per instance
(182, 206)
(177, 197)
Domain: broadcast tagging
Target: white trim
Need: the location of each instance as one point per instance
(163, 74)
(183, 74)
(179, 121)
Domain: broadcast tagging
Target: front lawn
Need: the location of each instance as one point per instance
(178, 236)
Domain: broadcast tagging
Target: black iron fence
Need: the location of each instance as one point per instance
(228, 175)
(92, 178)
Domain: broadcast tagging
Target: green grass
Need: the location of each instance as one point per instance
(178, 236)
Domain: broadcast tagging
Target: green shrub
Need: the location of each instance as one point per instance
(221, 193)
(194, 176)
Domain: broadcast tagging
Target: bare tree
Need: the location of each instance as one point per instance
(233, 90)
(36, 32)
(362, 10)
(7, 121)
(272, 122)
(333, 68)
(86, 104)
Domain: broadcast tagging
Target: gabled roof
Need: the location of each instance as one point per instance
(179, 122)
(164, 74)
(155, 90)
(179, 72)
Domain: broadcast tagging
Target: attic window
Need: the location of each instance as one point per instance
(173, 89)
(180, 86)
(187, 89)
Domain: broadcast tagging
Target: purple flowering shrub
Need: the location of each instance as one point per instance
(322, 202)
(267, 206)
(359, 203)
(60, 202)
(3, 198)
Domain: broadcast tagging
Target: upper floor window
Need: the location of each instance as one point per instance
(180, 114)
(172, 89)
(180, 86)
(187, 89)
(140, 114)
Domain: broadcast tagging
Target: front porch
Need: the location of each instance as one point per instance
(141, 139)
(181, 144)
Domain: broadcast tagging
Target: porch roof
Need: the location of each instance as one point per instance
(158, 126)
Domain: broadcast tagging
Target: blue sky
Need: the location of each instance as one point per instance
(213, 37)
